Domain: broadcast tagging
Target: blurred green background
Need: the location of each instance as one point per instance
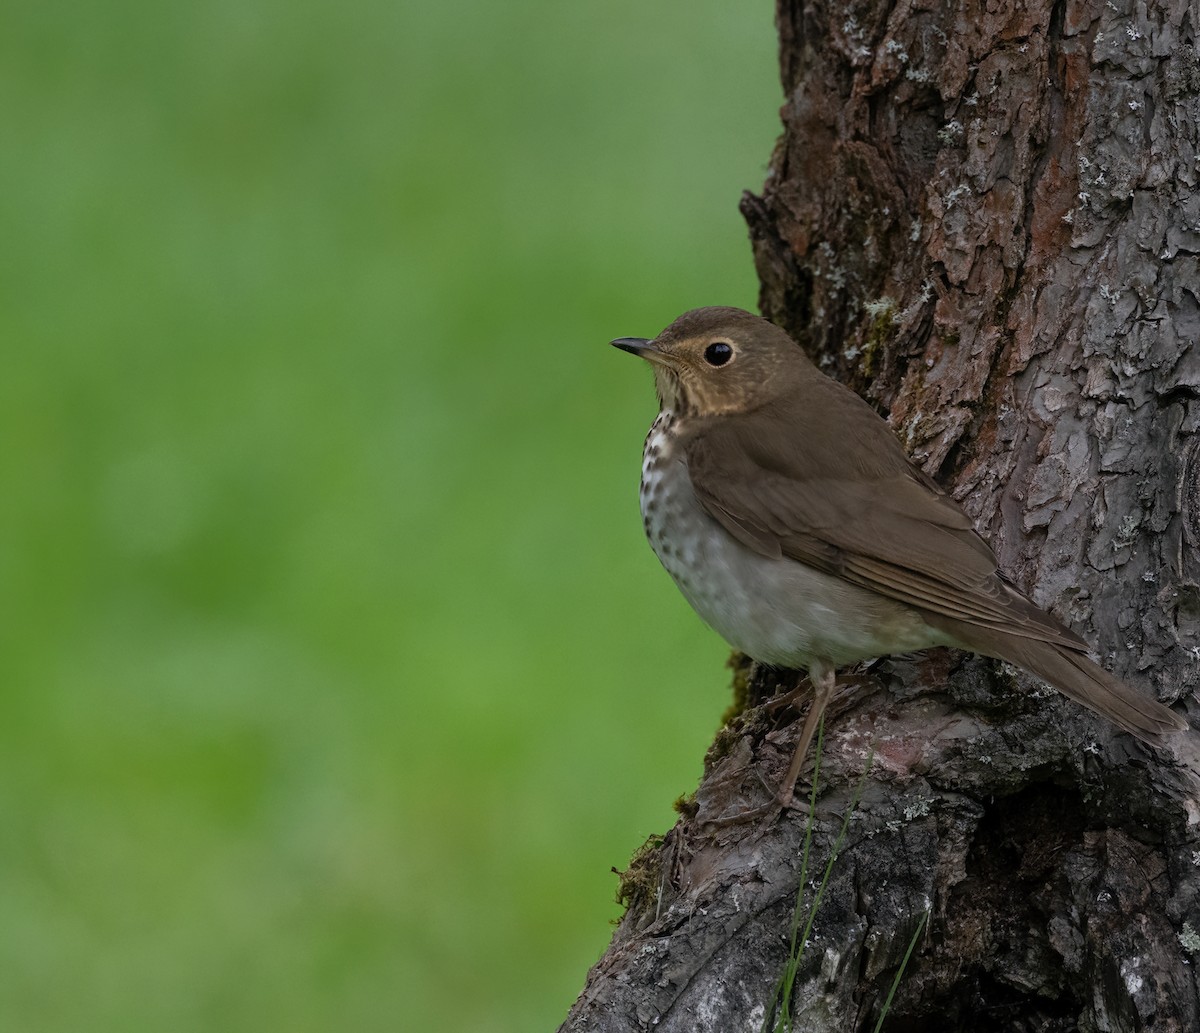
(335, 673)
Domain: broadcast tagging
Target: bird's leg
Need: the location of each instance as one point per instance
(821, 677)
(821, 674)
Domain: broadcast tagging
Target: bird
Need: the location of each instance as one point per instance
(794, 523)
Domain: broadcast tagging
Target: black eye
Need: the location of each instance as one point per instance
(718, 353)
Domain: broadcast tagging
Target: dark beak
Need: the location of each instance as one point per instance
(633, 345)
(645, 349)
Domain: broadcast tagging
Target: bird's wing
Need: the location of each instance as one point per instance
(790, 482)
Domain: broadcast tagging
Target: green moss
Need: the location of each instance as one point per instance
(742, 666)
(685, 805)
(882, 313)
(732, 725)
(637, 886)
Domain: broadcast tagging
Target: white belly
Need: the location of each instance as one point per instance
(777, 611)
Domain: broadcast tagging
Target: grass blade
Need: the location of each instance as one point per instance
(887, 1004)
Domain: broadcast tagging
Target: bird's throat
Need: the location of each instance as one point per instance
(670, 390)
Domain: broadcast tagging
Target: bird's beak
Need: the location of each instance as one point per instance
(641, 347)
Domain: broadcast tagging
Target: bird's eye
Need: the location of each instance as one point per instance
(718, 353)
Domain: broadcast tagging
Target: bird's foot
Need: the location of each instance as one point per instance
(782, 799)
(766, 812)
(784, 699)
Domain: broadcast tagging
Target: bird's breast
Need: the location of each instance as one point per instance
(777, 611)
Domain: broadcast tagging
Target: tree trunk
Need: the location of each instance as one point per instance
(983, 217)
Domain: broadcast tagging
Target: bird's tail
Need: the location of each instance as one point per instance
(1073, 674)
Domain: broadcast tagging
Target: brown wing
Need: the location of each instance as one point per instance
(827, 483)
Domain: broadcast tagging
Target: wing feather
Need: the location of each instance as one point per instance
(772, 479)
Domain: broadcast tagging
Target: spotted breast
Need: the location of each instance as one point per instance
(778, 612)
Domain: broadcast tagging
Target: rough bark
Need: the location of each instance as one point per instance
(983, 217)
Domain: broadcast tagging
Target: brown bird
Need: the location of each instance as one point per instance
(795, 525)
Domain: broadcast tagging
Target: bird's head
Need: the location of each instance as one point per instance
(719, 360)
